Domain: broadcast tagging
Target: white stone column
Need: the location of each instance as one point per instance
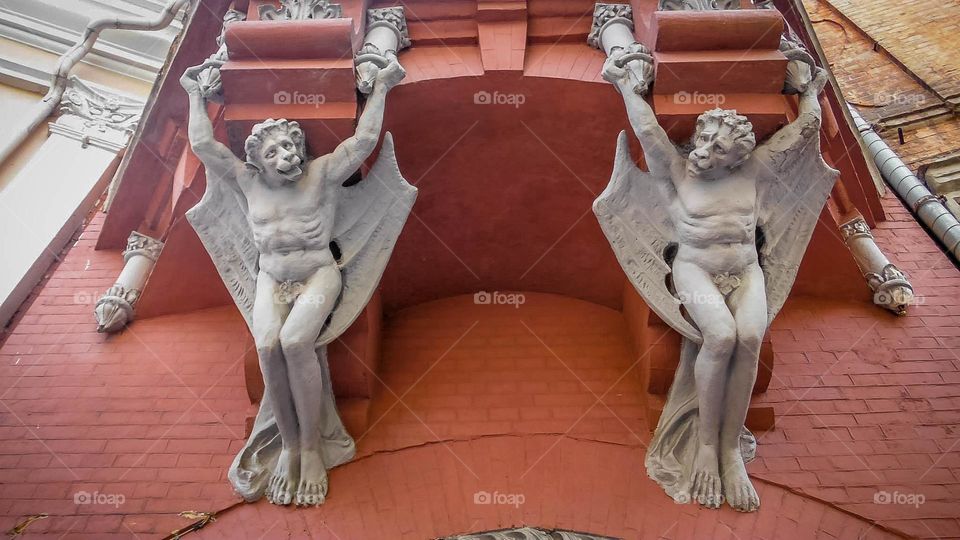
(612, 33)
(46, 202)
(891, 289)
(114, 310)
(386, 35)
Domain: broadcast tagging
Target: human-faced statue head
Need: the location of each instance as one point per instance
(276, 148)
(722, 141)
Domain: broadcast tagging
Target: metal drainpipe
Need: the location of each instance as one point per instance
(46, 106)
(924, 204)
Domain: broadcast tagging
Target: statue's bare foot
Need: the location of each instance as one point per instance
(282, 484)
(737, 487)
(312, 490)
(706, 488)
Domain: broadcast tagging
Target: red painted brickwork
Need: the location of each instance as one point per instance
(156, 413)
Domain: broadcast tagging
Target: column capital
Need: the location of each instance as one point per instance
(606, 14)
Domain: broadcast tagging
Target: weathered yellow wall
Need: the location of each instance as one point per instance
(17, 104)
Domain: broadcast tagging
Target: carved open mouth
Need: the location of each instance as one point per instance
(290, 173)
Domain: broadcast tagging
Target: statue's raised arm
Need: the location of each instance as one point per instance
(353, 151)
(659, 152)
(805, 128)
(216, 157)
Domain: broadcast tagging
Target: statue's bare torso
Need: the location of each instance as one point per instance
(292, 224)
(716, 221)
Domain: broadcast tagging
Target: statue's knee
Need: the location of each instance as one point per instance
(750, 342)
(296, 345)
(720, 339)
(267, 342)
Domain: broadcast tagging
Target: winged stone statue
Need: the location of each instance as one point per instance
(712, 236)
(301, 251)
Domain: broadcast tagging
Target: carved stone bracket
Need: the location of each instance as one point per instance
(892, 290)
(698, 5)
(387, 34)
(209, 79)
(96, 117)
(612, 32)
(299, 10)
(610, 20)
(114, 309)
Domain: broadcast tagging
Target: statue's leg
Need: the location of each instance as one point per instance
(268, 316)
(298, 338)
(749, 306)
(708, 309)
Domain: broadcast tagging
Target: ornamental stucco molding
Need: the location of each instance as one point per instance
(698, 5)
(96, 117)
(115, 309)
(612, 32)
(606, 14)
(211, 85)
(298, 10)
(386, 35)
(891, 288)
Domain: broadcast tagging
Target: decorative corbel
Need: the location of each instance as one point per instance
(891, 288)
(114, 310)
(210, 84)
(612, 33)
(386, 35)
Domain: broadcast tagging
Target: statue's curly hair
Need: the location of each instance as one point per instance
(269, 126)
(738, 125)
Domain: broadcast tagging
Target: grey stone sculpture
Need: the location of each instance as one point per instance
(302, 254)
(712, 237)
(115, 309)
(211, 86)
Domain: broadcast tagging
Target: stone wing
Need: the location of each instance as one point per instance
(220, 221)
(794, 185)
(370, 216)
(633, 213)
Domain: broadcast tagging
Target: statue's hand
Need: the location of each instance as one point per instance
(391, 74)
(189, 80)
(818, 83)
(613, 73)
(633, 64)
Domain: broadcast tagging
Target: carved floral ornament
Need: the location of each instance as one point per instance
(855, 228)
(393, 18)
(606, 14)
(140, 244)
(100, 111)
(698, 5)
(299, 10)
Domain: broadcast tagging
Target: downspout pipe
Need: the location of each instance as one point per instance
(924, 204)
(42, 110)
